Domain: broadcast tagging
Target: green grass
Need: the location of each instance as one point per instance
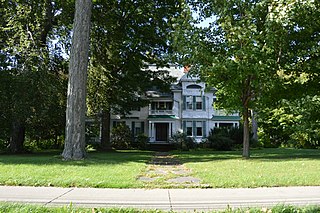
(27, 208)
(266, 167)
(103, 170)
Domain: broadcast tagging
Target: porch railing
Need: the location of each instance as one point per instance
(160, 112)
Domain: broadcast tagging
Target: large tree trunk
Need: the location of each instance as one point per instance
(17, 137)
(254, 126)
(105, 130)
(246, 135)
(74, 148)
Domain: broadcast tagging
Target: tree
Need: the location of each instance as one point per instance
(235, 56)
(126, 36)
(27, 66)
(254, 49)
(76, 101)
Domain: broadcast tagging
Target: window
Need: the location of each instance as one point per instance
(199, 128)
(161, 105)
(227, 125)
(189, 128)
(194, 86)
(137, 127)
(194, 102)
(189, 101)
(195, 128)
(199, 102)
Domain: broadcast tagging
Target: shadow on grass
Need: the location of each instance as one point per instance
(126, 156)
(271, 154)
(93, 158)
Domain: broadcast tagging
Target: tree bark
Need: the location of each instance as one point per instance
(17, 137)
(246, 136)
(74, 148)
(254, 126)
(105, 130)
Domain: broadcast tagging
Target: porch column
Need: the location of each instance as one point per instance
(151, 131)
(170, 129)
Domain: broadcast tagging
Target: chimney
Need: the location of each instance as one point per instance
(186, 68)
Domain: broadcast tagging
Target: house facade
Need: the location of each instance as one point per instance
(188, 108)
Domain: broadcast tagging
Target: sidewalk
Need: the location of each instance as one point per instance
(164, 199)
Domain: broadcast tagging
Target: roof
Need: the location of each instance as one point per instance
(188, 78)
(162, 116)
(225, 118)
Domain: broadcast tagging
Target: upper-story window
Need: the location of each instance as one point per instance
(189, 102)
(199, 102)
(161, 105)
(194, 103)
(194, 86)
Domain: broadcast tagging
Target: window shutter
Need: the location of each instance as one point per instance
(184, 127)
(132, 127)
(204, 103)
(194, 105)
(194, 128)
(142, 127)
(204, 129)
(184, 102)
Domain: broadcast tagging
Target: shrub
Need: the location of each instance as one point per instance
(183, 142)
(220, 142)
(140, 141)
(121, 137)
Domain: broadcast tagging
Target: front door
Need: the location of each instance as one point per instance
(162, 130)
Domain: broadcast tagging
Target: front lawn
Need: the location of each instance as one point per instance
(103, 170)
(266, 167)
(121, 169)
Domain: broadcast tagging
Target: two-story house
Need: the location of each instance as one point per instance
(187, 108)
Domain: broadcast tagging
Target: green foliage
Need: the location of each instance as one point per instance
(183, 142)
(256, 53)
(126, 36)
(121, 137)
(140, 142)
(224, 138)
(294, 123)
(218, 140)
(32, 80)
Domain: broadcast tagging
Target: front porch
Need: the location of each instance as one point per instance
(160, 132)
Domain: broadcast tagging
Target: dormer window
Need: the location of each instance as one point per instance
(194, 86)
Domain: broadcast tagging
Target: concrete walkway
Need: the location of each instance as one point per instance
(164, 199)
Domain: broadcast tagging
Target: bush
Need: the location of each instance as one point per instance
(183, 142)
(220, 142)
(4, 145)
(121, 137)
(224, 139)
(140, 142)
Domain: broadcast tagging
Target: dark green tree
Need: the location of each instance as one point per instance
(30, 71)
(126, 37)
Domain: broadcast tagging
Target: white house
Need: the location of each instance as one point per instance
(188, 108)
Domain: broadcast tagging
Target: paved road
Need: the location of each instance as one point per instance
(165, 199)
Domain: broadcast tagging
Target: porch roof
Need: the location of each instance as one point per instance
(162, 116)
(225, 118)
